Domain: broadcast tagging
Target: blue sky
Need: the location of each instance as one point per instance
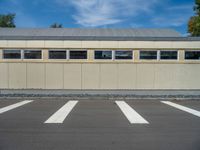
(101, 13)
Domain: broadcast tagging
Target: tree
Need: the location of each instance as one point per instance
(194, 22)
(197, 7)
(7, 20)
(194, 26)
(56, 25)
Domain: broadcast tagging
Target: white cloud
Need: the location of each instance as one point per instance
(92, 13)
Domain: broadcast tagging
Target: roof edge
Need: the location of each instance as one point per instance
(90, 38)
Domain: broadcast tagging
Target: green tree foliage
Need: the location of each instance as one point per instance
(197, 7)
(194, 22)
(7, 20)
(194, 26)
(56, 25)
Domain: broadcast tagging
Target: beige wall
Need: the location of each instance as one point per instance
(127, 76)
(54, 76)
(108, 76)
(35, 75)
(17, 73)
(99, 44)
(145, 76)
(99, 76)
(4, 78)
(72, 76)
(92, 74)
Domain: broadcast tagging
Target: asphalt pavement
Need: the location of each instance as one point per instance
(99, 125)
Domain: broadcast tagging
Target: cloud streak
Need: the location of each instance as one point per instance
(100, 13)
(91, 13)
(94, 13)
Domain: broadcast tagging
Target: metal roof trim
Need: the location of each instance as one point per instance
(90, 38)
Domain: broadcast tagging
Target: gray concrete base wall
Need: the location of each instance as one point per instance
(104, 94)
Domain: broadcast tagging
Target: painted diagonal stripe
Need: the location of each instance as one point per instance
(13, 106)
(61, 114)
(183, 108)
(131, 114)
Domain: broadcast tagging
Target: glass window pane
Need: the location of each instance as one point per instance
(168, 55)
(57, 54)
(103, 54)
(124, 55)
(148, 54)
(12, 54)
(78, 54)
(32, 54)
(192, 55)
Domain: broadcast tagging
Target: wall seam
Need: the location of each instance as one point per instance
(8, 67)
(136, 82)
(154, 75)
(26, 76)
(133, 82)
(45, 75)
(81, 77)
(63, 76)
(117, 76)
(99, 76)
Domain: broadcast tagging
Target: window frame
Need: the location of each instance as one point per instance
(103, 59)
(78, 50)
(32, 50)
(191, 51)
(177, 59)
(21, 55)
(157, 55)
(124, 51)
(66, 55)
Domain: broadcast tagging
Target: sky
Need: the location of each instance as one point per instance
(101, 13)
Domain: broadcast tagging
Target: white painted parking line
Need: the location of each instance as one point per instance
(131, 114)
(61, 114)
(183, 108)
(13, 106)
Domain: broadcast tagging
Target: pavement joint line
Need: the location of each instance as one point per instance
(13, 106)
(183, 108)
(130, 113)
(60, 115)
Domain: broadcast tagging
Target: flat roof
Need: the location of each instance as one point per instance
(93, 34)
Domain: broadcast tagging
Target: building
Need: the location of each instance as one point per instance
(98, 59)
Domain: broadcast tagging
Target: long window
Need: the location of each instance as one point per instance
(103, 55)
(123, 54)
(57, 54)
(12, 54)
(192, 55)
(148, 55)
(168, 55)
(99, 54)
(78, 54)
(32, 54)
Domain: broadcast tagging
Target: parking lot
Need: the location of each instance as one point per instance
(59, 124)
